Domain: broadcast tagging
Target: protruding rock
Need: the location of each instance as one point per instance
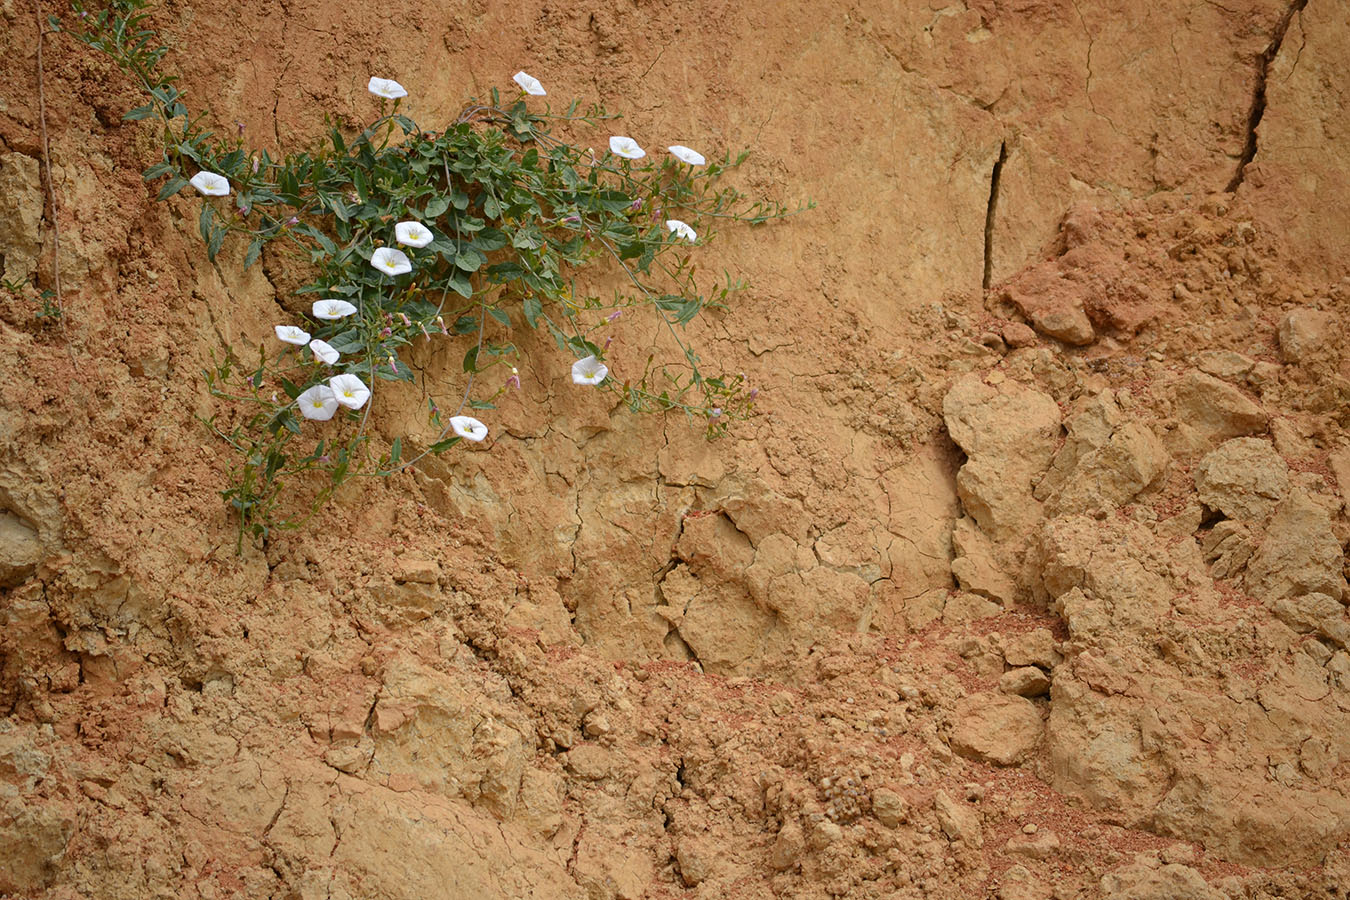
(974, 567)
(1216, 410)
(964, 607)
(890, 808)
(787, 847)
(1317, 613)
(350, 758)
(1016, 334)
(1032, 648)
(959, 821)
(21, 208)
(824, 833)
(1304, 333)
(693, 861)
(1027, 681)
(1244, 479)
(1108, 459)
(1165, 882)
(995, 728)
(1041, 844)
(1227, 548)
(1053, 304)
(33, 838)
(1224, 363)
(20, 549)
(1009, 434)
(1299, 553)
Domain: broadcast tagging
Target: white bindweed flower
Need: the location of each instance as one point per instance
(391, 261)
(529, 84)
(210, 184)
(626, 147)
(685, 155)
(387, 88)
(292, 335)
(323, 351)
(412, 234)
(682, 230)
(332, 309)
(589, 371)
(468, 428)
(350, 391)
(317, 403)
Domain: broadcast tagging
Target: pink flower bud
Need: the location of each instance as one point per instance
(614, 315)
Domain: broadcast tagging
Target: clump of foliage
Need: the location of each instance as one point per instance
(463, 233)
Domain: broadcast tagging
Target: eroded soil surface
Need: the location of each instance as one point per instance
(1028, 582)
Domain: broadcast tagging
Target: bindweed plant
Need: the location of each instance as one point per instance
(464, 233)
(45, 309)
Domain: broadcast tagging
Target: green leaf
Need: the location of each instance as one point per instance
(442, 446)
(534, 310)
(171, 187)
(460, 282)
(436, 206)
(204, 221)
(471, 359)
(217, 240)
(489, 239)
(160, 168)
(527, 239)
(289, 387)
(503, 272)
(140, 112)
(499, 315)
(348, 341)
(469, 259)
(339, 208)
(396, 452)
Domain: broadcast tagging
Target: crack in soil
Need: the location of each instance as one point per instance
(990, 212)
(1258, 108)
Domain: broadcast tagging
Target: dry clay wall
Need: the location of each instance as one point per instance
(1028, 582)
